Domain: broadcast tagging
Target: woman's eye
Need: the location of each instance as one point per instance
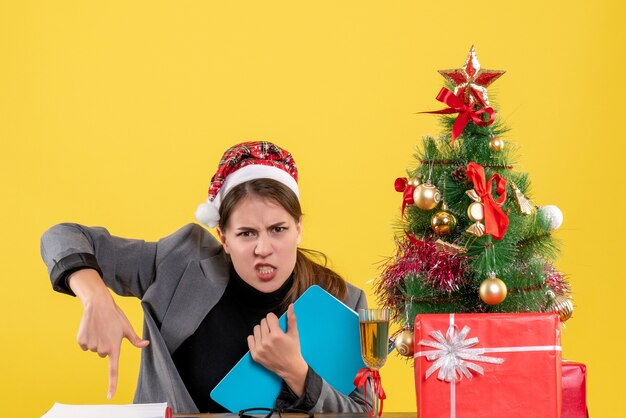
(279, 229)
(245, 234)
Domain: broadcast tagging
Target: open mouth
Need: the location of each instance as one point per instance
(265, 272)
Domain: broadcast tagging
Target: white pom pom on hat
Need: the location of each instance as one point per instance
(207, 214)
(244, 162)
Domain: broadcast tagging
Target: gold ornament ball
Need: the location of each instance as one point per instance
(443, 223)
(564, 307)
(492, 291)
(426, 196)
(476, 212)
(404, 343)
(496, 144)
(413, 182)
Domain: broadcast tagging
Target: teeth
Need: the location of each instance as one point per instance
(265, 270)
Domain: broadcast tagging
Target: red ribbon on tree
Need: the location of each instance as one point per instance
(496, 221)
(402, 185)
(361, 379)
(466, 112)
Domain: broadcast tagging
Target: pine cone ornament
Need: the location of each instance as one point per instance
(459, 174)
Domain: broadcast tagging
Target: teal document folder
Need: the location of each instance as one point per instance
(329, 342)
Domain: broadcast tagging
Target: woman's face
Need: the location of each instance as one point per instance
(262, 239)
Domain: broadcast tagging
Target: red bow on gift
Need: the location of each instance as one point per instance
(466, 112)
(496, 221)
(361, 379)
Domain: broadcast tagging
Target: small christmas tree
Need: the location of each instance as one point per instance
(471, 239)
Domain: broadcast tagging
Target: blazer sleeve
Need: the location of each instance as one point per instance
(319, 396)
(127, 266)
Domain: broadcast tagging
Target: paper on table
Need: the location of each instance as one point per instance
(146, 410)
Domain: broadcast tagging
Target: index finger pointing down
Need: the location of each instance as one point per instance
(114, 361)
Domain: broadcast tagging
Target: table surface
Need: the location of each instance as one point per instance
(327, 415)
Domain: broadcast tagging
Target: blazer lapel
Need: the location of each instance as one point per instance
(200, 288)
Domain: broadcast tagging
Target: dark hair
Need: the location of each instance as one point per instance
(307, 272)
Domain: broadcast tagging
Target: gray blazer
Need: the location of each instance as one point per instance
(179, 279)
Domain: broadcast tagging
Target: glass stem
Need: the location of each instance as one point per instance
(375, 400)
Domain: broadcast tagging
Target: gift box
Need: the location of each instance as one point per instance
(488, 365)
(574, 385)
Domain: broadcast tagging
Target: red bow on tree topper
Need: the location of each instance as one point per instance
(466, 112)
(496, 221)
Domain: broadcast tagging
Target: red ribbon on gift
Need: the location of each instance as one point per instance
(496, 221)
(361, 379)
(466, 112)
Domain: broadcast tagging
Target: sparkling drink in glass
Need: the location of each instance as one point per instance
(374, 325)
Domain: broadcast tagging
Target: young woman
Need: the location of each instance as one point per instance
(206, 303)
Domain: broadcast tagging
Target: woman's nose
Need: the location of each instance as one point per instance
(263, 247)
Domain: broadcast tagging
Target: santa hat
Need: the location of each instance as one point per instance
(244, 162)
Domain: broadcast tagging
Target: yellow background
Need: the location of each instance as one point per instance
(115, 113)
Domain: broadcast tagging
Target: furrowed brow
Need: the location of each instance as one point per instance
(278, 224)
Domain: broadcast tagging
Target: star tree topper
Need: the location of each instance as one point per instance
(471, 80)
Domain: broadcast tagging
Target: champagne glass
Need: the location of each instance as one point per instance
(374, 325)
